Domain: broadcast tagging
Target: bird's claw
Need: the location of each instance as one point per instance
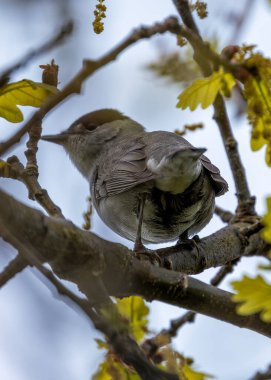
(140, 251)
(193, 243)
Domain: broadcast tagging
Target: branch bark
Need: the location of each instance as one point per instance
(82, 257)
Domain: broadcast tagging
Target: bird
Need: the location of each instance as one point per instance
(148, 187)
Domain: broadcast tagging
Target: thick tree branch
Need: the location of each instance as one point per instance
(81, 256)
(89, 68)
(266, 375)
(122, 343)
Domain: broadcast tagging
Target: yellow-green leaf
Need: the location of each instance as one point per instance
(23, 93)
(257, 93)
(191, 374)
(114, 370)
(254, 295)
(257, 135)
(204, 91)
(266, 233)
(5, 169)
(102, 373)
(101, 344)
(268, 153)
(135, 311)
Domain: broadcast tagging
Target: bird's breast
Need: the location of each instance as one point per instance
(165, 216)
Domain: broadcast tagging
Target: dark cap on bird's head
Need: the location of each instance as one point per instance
(87, 123)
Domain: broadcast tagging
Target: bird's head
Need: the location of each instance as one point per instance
(86, 138)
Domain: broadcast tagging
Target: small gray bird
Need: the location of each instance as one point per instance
(149, 187)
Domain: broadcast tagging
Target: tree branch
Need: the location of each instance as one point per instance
(224, 215)
(14, 169)
(245, 205)
(81, 257)
(122, 343)
(14, 266)
(266, 375)
(89, 68)
(60, 36)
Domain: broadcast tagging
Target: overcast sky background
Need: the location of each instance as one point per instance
(40, 337)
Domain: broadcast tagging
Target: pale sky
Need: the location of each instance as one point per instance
(40, 337)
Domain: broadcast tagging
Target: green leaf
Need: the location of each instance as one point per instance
(102, 344)
(266, 233)
(102, 373)
(191, 374)
(257, 92)
(111, 369)
(5, 169)
(255, 296)
(23, 93)
(135, 311)
(204, 91)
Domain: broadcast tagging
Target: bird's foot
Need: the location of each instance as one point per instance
(193, 243)
(141, 253)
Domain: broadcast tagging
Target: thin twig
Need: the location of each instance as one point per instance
(14, 169)
(31, 171)
(152, 345)
(224, 215)
(241, 20)
(89, 67)
(60, 36)
(223, 272)
(15, 266)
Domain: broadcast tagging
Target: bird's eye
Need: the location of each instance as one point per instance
(90, 127)
(83, 128)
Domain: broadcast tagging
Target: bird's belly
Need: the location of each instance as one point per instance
(120, 213)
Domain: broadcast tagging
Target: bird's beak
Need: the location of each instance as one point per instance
(57, 139)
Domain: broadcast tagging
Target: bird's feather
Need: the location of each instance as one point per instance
(128, 171)
(220, 185)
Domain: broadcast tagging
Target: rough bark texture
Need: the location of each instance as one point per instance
(83, 258)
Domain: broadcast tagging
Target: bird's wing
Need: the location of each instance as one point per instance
(220, 185)
(128, 171)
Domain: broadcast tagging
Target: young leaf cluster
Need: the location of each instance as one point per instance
(204, 91)
(257, 92)
(266, 233)
(135, 315)
(254, 294)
